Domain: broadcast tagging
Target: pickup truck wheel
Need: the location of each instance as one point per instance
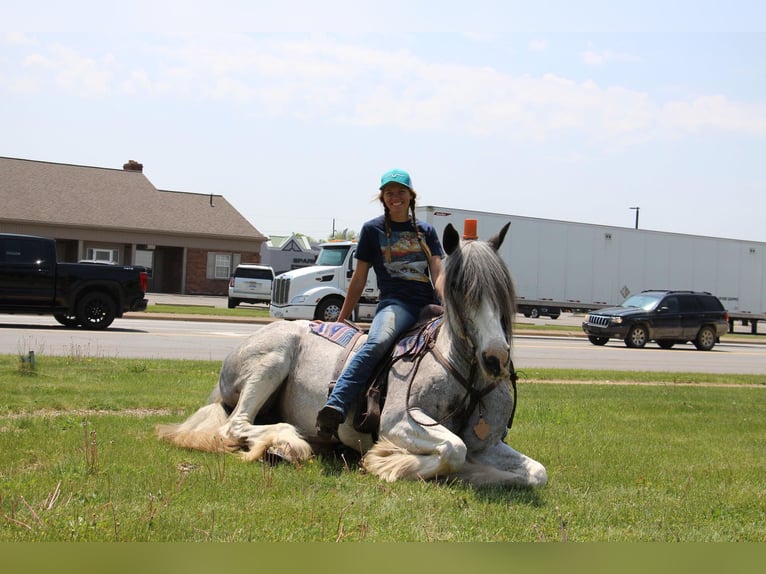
(66, 320)
(705, 339)
(598, 341)
(534, 313)
(666, 344)
(637, 337)
(232, 303)
(329, 309)
(96, 311)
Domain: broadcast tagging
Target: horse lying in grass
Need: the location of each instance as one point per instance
(445, 412)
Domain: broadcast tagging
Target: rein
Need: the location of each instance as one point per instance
(473, 394)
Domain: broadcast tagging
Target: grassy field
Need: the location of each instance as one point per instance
(626, 462)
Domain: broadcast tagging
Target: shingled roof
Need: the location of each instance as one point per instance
(96, 197)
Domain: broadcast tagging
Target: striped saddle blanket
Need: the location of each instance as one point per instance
(339, 333)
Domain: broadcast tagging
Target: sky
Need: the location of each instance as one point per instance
(574, 111)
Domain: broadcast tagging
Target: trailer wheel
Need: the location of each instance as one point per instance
(637, 337)
(598, 341)
(96, 310)
(329, 309)
(705, 339)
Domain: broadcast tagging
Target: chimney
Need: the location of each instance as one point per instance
(133, 165)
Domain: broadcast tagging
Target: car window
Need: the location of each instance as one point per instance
(671, 303)
(710, 303)
(20, 250)
(690, 304)
(643, 301)
(253, 273)
(332, 256)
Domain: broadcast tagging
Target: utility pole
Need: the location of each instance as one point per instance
(637, 209)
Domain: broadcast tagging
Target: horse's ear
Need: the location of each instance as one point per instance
(497, 240)
(451, 239)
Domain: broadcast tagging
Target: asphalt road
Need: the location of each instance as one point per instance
(213, 340)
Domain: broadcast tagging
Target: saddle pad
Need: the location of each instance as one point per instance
(339, 333)
(413, 344)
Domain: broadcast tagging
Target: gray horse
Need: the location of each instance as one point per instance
(446, 408)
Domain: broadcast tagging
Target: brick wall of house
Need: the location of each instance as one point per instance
(197, 282)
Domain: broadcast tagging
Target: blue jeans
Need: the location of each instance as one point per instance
(392, 318)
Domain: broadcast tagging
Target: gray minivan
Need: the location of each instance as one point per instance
(250, 284)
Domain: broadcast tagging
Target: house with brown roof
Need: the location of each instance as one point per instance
(192, 242)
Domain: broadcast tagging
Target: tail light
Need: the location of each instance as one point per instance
(142, 280)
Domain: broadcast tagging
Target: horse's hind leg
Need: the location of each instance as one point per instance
(258, 377)
(281, 439)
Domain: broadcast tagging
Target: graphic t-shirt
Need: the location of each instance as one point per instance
(405, 276)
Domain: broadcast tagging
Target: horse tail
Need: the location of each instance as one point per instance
(200, 431)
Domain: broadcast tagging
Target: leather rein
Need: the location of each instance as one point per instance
(473, 395)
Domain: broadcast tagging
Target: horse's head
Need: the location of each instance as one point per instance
(479, 299)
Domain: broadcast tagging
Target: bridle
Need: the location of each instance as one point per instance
(473, 395)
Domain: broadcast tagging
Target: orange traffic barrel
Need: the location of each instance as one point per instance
(469, 229)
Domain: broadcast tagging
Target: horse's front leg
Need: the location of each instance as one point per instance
(502, 465)
(414, 447)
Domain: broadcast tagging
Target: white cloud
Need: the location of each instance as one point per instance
(537, 45)
(318, 78)
(16, 39)
(715, 112)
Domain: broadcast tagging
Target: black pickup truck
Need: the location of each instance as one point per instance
(85, 294)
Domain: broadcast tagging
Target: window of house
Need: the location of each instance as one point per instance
(221, 265)
(101, 254)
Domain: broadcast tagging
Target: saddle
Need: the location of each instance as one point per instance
(410, 344)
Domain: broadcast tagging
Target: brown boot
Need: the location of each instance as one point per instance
(328, 421)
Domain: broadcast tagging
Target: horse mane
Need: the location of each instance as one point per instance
(474, 272)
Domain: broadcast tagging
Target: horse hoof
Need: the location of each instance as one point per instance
(274, 456)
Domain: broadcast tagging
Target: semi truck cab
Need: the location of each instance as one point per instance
(318, 292)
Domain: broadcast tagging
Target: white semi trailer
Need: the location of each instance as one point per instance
(559, 265)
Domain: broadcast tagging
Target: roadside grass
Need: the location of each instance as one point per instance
(240, 311)
(626, 462)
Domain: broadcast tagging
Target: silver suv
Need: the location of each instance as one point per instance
(250, 284)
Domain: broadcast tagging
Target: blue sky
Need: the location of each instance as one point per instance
(292, 110)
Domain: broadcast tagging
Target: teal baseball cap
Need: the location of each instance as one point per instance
(397, 176)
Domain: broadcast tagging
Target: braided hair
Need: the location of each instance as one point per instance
(413, 220)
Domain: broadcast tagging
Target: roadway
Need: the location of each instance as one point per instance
(144, 336)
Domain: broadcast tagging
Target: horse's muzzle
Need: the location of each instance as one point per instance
(497, 363)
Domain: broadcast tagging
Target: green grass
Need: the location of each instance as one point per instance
(241, 311)
(626, 462)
